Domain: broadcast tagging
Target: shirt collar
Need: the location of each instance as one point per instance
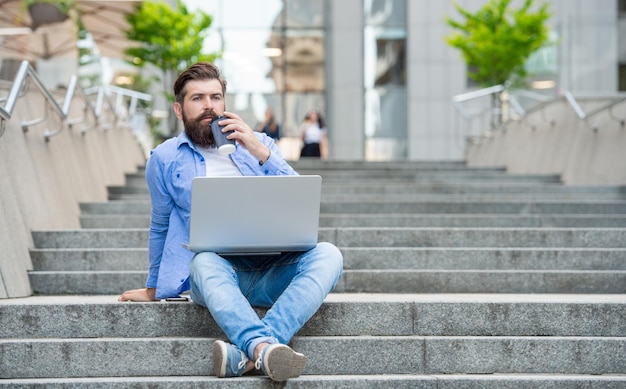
(184, 139)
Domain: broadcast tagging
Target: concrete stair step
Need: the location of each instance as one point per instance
(454, 277)
(399, 381)
(391, 166)
(385, 165)
(408, 177)
(486, 188)
(371, 281)
(470, 220)
(140, 194)
(411, 168)
(88, 336)
(482, 281)
(403, 220)
(326, 355)
(439, 258)
(92, 282)
(563, 315)
(474, 207)
(90, 259)
(407, 206)
(325, 165)
(429, 175)
(452, 197)
(367, 198)
(373, 237)
(426, 198)
(359, 258)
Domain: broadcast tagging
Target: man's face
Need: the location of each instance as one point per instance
(203, 102)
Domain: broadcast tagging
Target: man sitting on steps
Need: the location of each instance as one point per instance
(293, 285)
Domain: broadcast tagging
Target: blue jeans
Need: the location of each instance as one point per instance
(294, 285)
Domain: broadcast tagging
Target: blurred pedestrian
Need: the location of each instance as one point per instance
(270, 126)
(314, 136)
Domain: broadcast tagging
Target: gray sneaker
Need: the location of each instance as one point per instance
(228, 360)
(280, 362)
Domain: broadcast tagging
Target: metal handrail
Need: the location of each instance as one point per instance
(544, 102)
(26, 72)
(585, 116)
(459, 100)
(542, 99)
(87, 106)
(103, 91)
(479, 93)
(574, 104)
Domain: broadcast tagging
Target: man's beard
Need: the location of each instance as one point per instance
(200, 133)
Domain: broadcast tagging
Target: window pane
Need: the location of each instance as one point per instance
(296, 107)
(239, 13)
(273, 56)
(304, 61)
(385, 123)
(305, 13)
(389, 13)
(385, 56)
(384, 70)
(246, 62)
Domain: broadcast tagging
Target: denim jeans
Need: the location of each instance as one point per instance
(292, 285)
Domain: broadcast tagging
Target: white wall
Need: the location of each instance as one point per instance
(436, 72)
(569, 148)
(42, 183)
(589, 44)
(345, 79)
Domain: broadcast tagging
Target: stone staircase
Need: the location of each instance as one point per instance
(454, 277)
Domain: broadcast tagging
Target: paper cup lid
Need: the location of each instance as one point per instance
(226, 149)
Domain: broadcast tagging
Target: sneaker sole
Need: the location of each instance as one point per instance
(220, 356)
(282, 363)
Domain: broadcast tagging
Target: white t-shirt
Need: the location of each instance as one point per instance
(218, 164)
(313, 133)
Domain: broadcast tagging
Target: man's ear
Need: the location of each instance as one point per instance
(178, 110)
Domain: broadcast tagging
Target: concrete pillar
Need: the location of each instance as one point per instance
(344, 83)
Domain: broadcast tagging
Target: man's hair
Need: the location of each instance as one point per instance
(197, 71)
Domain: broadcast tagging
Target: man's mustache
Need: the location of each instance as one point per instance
(206, 115)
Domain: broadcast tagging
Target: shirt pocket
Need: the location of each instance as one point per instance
(180, 182)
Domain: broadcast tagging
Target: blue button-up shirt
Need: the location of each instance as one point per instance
(169, 171)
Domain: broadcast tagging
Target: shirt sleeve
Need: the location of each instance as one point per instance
(162, 205)
(276, 165)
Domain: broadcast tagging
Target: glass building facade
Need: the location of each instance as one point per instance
(274, 55)
(380, 71)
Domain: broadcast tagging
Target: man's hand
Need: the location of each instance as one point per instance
(145, 294)
(245, 136)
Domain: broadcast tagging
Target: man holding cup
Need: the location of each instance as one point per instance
(292, 285)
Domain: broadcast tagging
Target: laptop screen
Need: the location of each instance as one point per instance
(255, 215)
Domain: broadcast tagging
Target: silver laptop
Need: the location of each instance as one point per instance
(254, 215)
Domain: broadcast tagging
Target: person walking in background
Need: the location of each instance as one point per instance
(293, 285)
(314, 136)
(270, 126)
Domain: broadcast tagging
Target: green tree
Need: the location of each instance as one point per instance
(169, 39)
(496, 41)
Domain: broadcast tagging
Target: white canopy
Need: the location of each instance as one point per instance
(103, 19)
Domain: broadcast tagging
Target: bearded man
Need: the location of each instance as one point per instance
(292, 285)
